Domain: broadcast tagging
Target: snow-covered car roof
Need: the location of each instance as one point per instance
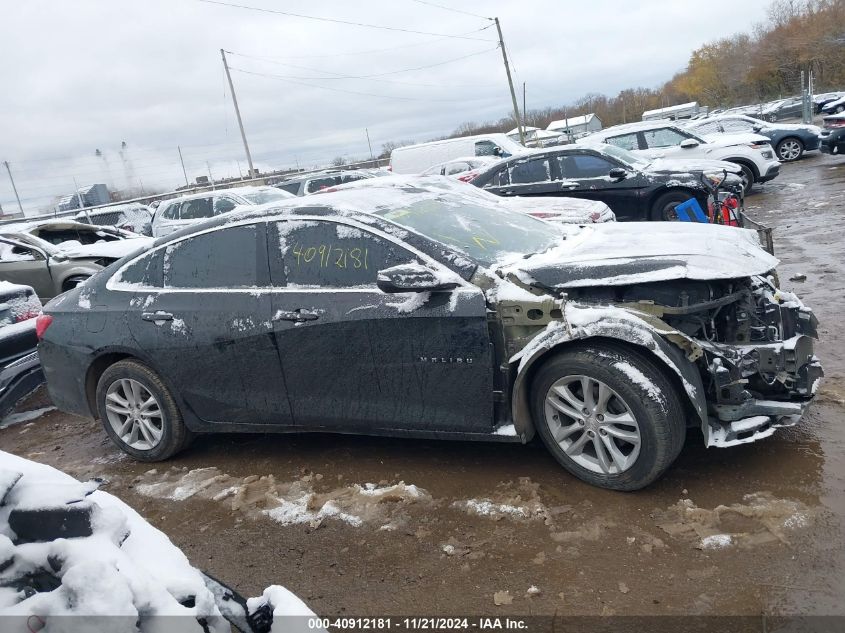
(29, 227)
(205, 194)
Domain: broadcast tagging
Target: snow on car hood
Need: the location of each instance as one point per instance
(684, 165)
(798, 127)
(113, 250)
(621, 253)
(740, 138)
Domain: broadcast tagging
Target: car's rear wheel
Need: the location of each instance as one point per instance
(664, 208)
(139, 413)
(790, 149)
(609, 416)
(747, 178)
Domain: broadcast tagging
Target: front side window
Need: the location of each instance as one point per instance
(456, 168)
(625, 141)
(485, 148)
(712, 127)
(531, 171)
(500, 179)
(227, 258)
(737, 125)
(318, 184)
(170, 211)
(224, 205)
(577, 166)
(663, 137)
(331, 255)
(196, 209)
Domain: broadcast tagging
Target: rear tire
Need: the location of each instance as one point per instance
(790, 149)
(663, 208)
(139, 413)
(638, 390)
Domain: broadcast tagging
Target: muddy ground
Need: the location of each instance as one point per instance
(755, 529)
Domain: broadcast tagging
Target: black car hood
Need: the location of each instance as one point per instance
(617, 254)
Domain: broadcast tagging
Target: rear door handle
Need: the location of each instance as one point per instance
(158, 315)
(297, 316)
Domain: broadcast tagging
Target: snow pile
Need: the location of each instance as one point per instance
(112, 567)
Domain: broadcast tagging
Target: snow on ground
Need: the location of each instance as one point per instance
(114, 568)
(24, 416)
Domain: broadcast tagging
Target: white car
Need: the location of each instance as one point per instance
(663, 139)
(464, 169)
(834, 107)
(178, 213)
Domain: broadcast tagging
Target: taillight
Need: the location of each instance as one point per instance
(834, 124)
(42, 322)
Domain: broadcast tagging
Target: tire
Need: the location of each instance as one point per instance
(72, 282)
(747, 178)
(638, 388)
(663, 208)
(790, 149)
(148, 438)
(839, 109)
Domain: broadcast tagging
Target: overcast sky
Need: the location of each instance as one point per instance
(90, 74)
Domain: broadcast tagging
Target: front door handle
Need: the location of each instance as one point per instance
(158, 315)
(299, 315)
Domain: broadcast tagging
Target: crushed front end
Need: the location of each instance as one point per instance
(761, 371)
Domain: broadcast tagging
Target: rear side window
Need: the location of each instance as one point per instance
(223, 205)
(530, 171)
(625, 141)
(330, 255)
(456, 168)
(485, 148)
(228, 258)
(145, 271)
(196, 209)
(708, 128)
(291, 187)
(170, 211)
(322, 183)
(500, 179)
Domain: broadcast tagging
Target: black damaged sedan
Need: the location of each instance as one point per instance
(412, 312)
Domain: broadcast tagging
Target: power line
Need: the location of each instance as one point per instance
(353, 92)
(367, 52)
(337, 21)
(440, 6)
(375, 75)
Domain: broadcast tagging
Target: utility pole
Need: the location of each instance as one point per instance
(182, 160)
(367, 132)
(210, 177)
(15, 189)
(252, 173)
(510, 83)
(524, 109)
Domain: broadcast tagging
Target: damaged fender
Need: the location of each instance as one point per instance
(576, 323)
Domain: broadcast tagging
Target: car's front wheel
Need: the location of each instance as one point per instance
(790, 149)
(139, 413)
(608, 415)
(664, 208)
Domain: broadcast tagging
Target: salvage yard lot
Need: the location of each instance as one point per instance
(747, 530)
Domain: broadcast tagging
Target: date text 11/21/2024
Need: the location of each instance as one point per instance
(424, 623)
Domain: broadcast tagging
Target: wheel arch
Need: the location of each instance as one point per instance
(744, 162)
(668, 357)
(95, 370)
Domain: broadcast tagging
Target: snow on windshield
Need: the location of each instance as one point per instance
(486, 233)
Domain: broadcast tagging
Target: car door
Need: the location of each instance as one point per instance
(166, 219)
(591, 173)
(204, 321)
(26, 265)
(530, 176)
(359, 359)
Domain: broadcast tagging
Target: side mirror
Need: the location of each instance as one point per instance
(411, 278)
(618, 173)
(757, 128)
(689, 143)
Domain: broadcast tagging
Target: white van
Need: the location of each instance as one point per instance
(414, 159)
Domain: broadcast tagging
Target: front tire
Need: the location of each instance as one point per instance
(663, 208)
(747, 178)
(139, 413)
(608, 415)
(790, 149)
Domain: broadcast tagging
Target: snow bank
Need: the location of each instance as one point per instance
(114, 568)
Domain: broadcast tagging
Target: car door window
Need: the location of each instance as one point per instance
(143, 272)
(625, 141)
(737, 125)
(291, 187)
(14, 253)
(456, 168)
(322, 183)
(712, 127)
(327, 254)
(485, 148)
(663, 137)
(500, 179)
(226, 258)
(170, 211)
(196, 209)
(578, 166)
(530, 171)
(223, 205)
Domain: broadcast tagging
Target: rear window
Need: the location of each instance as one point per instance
(291, 187)
(227, 258)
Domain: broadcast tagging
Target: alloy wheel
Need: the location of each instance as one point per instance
(789, 150)
(134, 414)
(592, 424)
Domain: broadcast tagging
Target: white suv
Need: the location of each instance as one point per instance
(178, 213)
(663, 139)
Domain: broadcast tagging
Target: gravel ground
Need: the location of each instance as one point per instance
(460, 528)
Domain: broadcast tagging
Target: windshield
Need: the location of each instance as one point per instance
(486, 233)
(263, 196)
(629, 158)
